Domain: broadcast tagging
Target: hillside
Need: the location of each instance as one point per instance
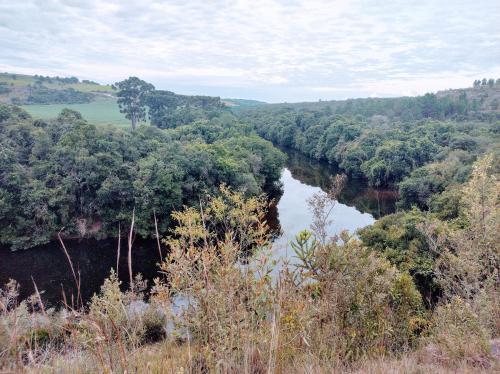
(22, 89)
(415, 285)
(35, 89)
(472, 102)
(485, 98)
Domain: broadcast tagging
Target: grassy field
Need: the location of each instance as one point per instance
(99, 112)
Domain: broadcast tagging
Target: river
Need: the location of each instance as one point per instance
(47, 265)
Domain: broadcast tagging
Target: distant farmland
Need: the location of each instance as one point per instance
(99, 112)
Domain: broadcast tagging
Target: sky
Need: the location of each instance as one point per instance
(273, 51)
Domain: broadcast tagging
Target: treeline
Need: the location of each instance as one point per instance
(409, 108)
(40, 79)
(427, 155)
(165, 108)
(454, 105)
(39, 94)
(57, 79)
(486, 82)
(169, 110)
(70, 174)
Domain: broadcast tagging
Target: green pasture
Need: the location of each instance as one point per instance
(99, 112)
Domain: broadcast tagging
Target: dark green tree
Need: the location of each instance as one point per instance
(132, 95)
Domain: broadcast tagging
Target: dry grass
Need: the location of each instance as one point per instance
(179, 358)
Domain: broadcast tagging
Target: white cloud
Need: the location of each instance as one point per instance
(272, 50)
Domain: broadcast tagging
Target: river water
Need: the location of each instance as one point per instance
(47, 265)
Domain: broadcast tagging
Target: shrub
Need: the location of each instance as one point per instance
(457, 335)
(365, 306)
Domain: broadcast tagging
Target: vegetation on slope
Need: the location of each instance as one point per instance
(480, 101)
(418, 289)
(384, 150)
(22, 89)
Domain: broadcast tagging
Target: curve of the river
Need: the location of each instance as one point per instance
(358, 206)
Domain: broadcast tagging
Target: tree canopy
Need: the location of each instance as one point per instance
(88, 179)
(132, 95)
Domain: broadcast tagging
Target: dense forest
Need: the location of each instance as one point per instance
(87, 179)
(378, 144)
(344, 309)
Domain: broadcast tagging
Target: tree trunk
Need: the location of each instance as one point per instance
(134, 123)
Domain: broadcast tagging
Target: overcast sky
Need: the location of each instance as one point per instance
(267, 50)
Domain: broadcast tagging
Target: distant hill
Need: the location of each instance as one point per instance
(22, 89)
(473, 102)
(242, 102)
(36, 89)
(483, 98)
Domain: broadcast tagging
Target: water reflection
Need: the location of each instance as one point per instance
(93, 259)
(356, 192)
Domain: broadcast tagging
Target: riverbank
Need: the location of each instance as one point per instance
(358, 206)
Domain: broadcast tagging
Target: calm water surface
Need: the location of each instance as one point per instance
(358, 206)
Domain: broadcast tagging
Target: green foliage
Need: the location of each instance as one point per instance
(344, 306)
(39, 94)
(87, 179)
(169, 110)
(422, 187)
(399, 239)
(12, 113)
(363, 304)
(349, 302)
(132, 94)
(451, 251)
(165, 108)
(470, 260)
(305, 249)
(446, 205)
(383, 142)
